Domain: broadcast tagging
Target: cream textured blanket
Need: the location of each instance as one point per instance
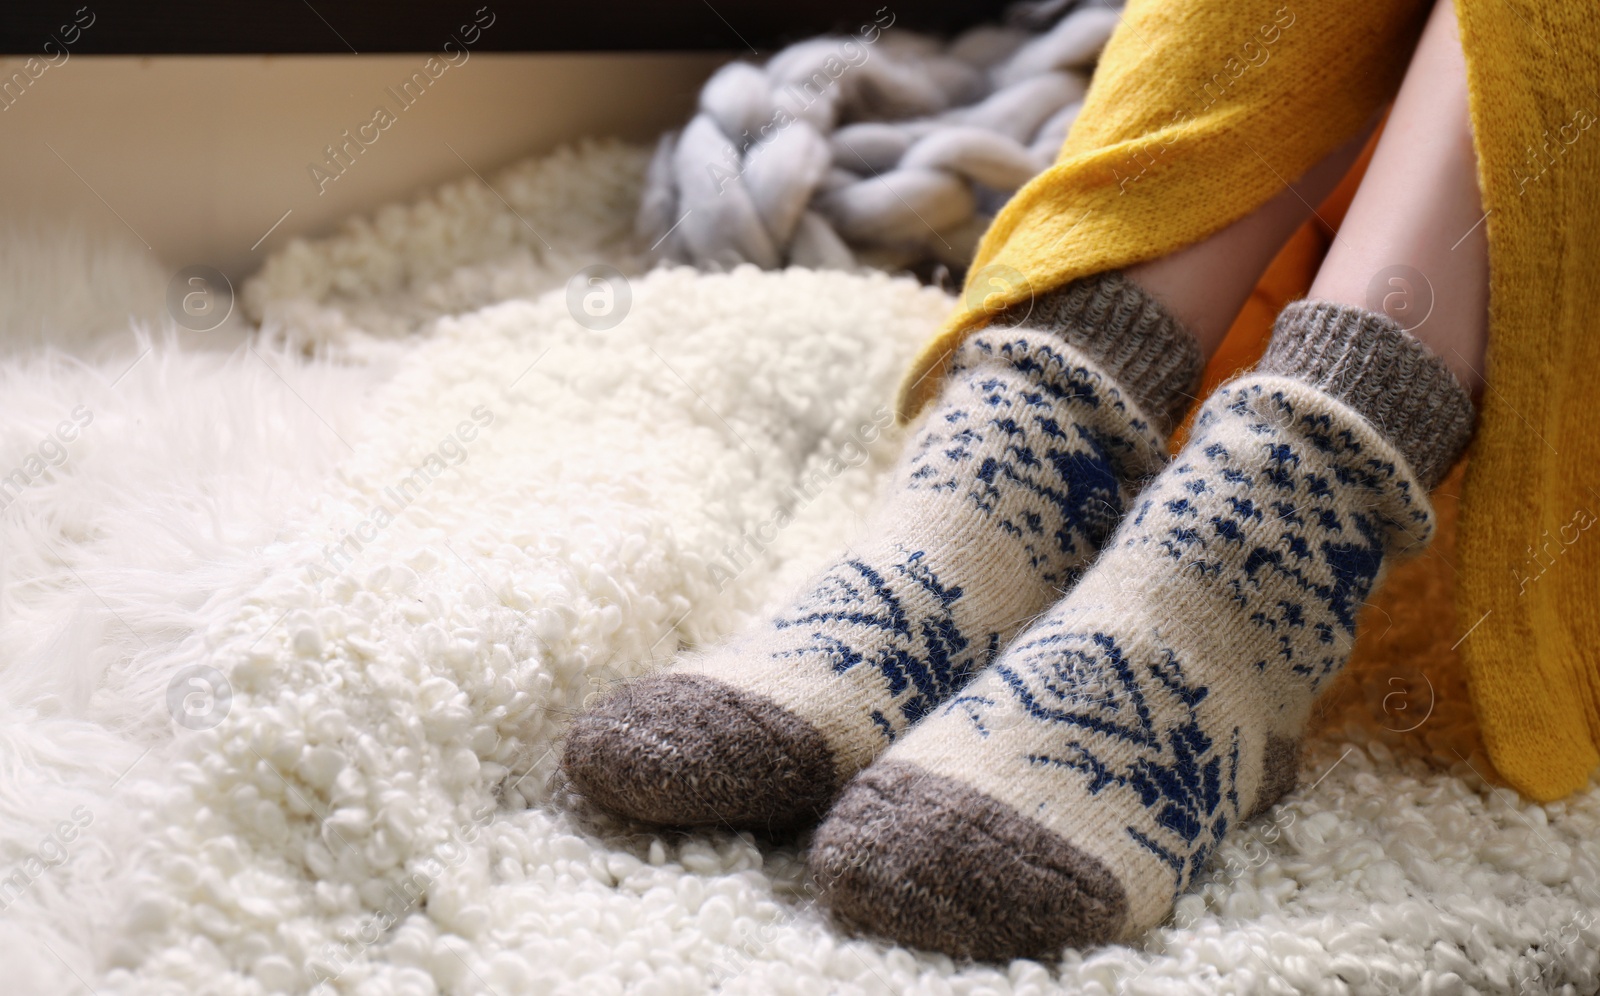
(286, 643)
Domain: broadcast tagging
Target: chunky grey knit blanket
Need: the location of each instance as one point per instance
(881, 147)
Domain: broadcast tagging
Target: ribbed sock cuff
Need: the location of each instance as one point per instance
(1152, 358)
(1378, 368)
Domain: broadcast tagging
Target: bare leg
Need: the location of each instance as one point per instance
(1206, 284)
(1414, 244)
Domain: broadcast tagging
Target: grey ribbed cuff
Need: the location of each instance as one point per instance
(1382, 371)
(1152, 358)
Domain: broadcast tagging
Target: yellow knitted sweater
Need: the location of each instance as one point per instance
(1202, 109)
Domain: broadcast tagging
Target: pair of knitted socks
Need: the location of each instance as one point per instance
(1063, 667)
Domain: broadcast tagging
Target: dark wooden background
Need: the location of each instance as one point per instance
(153, 27)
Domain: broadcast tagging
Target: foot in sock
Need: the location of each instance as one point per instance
(1015, 478)
(1067, 795)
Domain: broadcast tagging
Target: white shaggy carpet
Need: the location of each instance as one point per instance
(376, 808)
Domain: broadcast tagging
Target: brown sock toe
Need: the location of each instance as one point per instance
(1280, 771)
(931, 863)
(687, 750)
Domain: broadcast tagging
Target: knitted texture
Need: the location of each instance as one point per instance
(1009, 489)
(881, 146)
(1378, 368)
(1120, 738)
(1153, 358)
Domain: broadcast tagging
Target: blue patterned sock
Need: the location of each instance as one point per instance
(1068, 794)
(1014, 479)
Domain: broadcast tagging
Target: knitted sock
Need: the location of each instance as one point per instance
(1016, 477)
(1068, 794)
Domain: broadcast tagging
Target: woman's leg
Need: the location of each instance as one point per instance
(1415, 242)
(1205, 285)
(1069, 793)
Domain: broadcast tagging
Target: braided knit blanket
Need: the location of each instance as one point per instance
(882, 148)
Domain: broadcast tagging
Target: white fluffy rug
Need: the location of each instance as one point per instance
(372, 587)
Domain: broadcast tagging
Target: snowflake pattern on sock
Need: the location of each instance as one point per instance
(923, 657)
(1218, 610)
(1017, 446)
(1015, 480)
